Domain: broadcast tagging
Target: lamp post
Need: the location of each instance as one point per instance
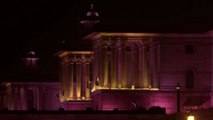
(190, 117)
(178, 97)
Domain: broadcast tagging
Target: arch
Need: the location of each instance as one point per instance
(190, 78)
(32, 98)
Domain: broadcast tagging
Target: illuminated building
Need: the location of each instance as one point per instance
(138, 68)
(29, 87)
(124, 71)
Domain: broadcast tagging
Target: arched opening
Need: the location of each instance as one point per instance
(30, 99)
(189, 79)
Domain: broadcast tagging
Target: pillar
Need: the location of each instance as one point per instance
(140, 70)
(123, 66)
(62, 78)
(154, 65)
(144, 58)
(96, 67)
(83, 80)
(23, 99)
(130, 66)
(114, 67)
(71, 95)
(65, 82)
(105, 67)
(136, 65)
(87, 74)
(78, 80)
(119, 65)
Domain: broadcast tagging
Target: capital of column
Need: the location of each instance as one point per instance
(81, 59)
(85, 59)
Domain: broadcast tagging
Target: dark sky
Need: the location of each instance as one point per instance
(44, 24)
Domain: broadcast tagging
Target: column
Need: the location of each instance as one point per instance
(100, 78)
(154, 65)
(123, 66)
(75, 80)
(78, 80)
(67, 81)
(71, 95)
(23, 99)
(114, 67)
(105, 66)
(129, 67)
(119, 65)
(96, 67)
(17, 98)
(140, 70)
(83, 80)
(145, 66)
(62, 80)
(87, 74)
(66, 91)
(137, 66)
(97, 64)
(134, 64)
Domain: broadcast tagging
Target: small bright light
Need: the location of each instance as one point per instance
(133, 87)
(191, 117)
(83, 98)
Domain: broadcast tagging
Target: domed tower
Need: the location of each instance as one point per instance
(91, 19)
(30, 61)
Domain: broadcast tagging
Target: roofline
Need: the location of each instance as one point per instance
(66, 52)
(97, 35)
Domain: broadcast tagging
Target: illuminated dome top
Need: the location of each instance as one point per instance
(31, 54)
(92, 12)
(91, 16)
(31, 60)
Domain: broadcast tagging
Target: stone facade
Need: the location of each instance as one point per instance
(129, 71)
(31, 96)
(144, 69)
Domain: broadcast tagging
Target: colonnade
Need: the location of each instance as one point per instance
(20, 97)
(75, 75)
(115, 63)
(125, 63)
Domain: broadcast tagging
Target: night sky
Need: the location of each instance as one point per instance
(43, 25)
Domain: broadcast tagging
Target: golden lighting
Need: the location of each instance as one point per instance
(133, 87)
(8, 84)
(151, 89)
(66, 53)
(83, 98)
(190, 117)
(68, 99)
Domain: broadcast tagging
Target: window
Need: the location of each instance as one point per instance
(190, 77)
(189, 49)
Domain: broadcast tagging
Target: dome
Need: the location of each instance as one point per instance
(31, 54)
(91, 16)
(92, 12)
